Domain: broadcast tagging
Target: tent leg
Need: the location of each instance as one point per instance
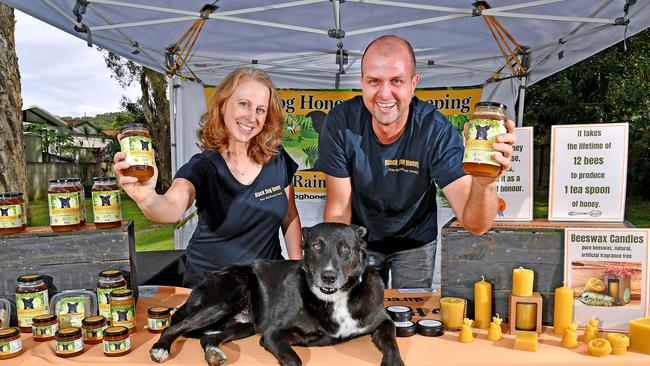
(522, 97)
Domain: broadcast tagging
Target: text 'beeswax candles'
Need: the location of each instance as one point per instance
(563, 309)
(452, 312)
(522, 282)
(482, 303)
(526, 314)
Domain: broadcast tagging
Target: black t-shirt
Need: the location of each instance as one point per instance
(237, 222)
(393, 185)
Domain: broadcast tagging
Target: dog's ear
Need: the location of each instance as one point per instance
(360, 230)
(305, 233)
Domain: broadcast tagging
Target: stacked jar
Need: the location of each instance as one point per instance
(123, 309)
(31, 300)
(13, 217)
(107, 206)
(109, 281)
(64, 203)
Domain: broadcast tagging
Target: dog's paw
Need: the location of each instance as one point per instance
(215, 356)
(159, 354)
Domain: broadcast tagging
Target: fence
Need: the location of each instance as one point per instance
(39, 174)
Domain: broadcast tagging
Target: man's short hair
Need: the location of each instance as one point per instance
(398, 39)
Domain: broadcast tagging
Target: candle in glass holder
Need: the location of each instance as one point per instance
(482, 303)
(522, 282)
(526, 314)
(563, 309)
(612, 286)
(452, 312)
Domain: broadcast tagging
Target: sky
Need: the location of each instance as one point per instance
(61, 74)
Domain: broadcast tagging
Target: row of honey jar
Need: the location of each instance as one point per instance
(67, 206)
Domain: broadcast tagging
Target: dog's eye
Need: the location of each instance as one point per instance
(315, 246)
(345, 248)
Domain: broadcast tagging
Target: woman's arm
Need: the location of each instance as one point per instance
(291, 227)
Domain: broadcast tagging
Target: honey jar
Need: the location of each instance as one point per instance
(117, 341)
(92, 329)
(44, 327)
(487, 121)
(135, 142)
(68, 342)
(10, 343)
(31, 300)
(12, 215)
(158, 318)
(107, 204)
(63, 197)
(123, 309)
(109, 281)
(82, 199)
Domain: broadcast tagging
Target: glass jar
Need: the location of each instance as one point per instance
(44, 327)
(12, 219)
(68, 342)
(82, 199)
(487, 121)
(10, 343)
(107, 204)
(109, 281)
(123, 309)
(117, 341)
(31, 300)
(93, 328)
(158, 318)
(64, 205)
(135, 142)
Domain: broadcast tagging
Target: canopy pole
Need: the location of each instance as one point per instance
(522, 97)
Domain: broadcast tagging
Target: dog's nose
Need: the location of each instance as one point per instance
(329, 277)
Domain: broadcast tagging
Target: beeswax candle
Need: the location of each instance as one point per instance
(526, 341)
(482, 303)
(494, 333)
(522, 282)
(563, 309)
(619, 343)
(640, 335)
(526, 314)
(466, 335)
(452, 312)
(570, 337)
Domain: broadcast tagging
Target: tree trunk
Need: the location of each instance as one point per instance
(12, 163)
(156, 110)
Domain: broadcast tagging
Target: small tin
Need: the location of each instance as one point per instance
(430, 328)
(404, 329)
(400, 313)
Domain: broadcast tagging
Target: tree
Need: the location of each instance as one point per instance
(13, 171)
(155, 107)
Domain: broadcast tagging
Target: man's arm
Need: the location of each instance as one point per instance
(339, 200)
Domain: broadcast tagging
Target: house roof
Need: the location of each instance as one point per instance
(36, 114)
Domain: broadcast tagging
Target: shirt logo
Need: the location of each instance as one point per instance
(402, 165)
(267, 193)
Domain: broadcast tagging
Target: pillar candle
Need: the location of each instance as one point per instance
(526, 315)
(613, 288)
(482, 303)
(522, 282)
(640, 335)
(563, 309)
(452, 312)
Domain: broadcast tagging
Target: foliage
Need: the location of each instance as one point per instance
(312, 155)
(61, 142)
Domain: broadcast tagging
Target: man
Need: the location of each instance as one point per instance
(382, 154)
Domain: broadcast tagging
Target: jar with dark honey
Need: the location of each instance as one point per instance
(487, 121)
(44, 327)
(107, 204)
(10, 343)
(158, 318)
(123, 309)
(135, 142)
(64, 204)
(12, 216)
(117, 341)
(31, 300)
(93, 328)
(68, 342)
(82, 199)
(109, 281)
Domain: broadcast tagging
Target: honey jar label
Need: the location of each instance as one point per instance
(11, 347)
(104, 299)
(94, 333)
(45, 330)
(106, 206)
(158, 324)
(71, 311)
(123, 315)
(65, 208)
(29, 305)
(481, 134)
(120, 346)
(138, 149)
(63, 347)
(10, 216)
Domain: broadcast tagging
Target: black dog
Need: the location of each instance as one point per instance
(106, 200)
(65, 202)
(28, 303)
(145, 144)
(72, 307)
(481, 132)
(4, 212)
(122, 315)
(329, 297)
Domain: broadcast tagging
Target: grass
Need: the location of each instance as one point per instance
(148, 234)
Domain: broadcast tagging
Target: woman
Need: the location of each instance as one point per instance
(241, 181)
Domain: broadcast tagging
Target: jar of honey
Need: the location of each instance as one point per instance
(82, 199)
(44, 327)
(123, 309)
(10, 343)
(109, 281)
(135, 141)
(63, 197)
(107, 204)
(117, 341)
(158, 318)
(487, 121)
(12, 215)
(31, 300)
(68, 342)
(93, 328)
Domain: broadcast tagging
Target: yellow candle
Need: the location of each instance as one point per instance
(619, 343)
(613, 289)
(522, 282)
(591, 332)
(482, 303)
(563, 309)
(640, 335)
(452, 312)
(466, 335)
(526, 314)
(526, 341)
(599, 347)
(570, 337)
(494, 333)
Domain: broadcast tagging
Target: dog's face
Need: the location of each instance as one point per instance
(333, 255)
(72, 307)
(106, 200)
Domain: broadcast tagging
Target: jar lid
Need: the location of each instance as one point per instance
(93, 320)
(61, 180)
(68, 332)
(159, 310)
(490, 104)
(115, 331)
(11, 194)
(43, 318)
(9, 332)
(404, 329)
(104, 179)
(30, 278)
(430, 328)
(132, 125)
(399, 313)
(111, 273)
(123, 292)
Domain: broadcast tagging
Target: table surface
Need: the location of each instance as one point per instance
(415, 350)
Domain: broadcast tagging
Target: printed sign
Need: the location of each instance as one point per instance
(588, 172)
(608, 271)
(515, 186)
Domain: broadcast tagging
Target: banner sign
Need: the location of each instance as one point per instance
(515, 186)
(588, 172)
(608, 271)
